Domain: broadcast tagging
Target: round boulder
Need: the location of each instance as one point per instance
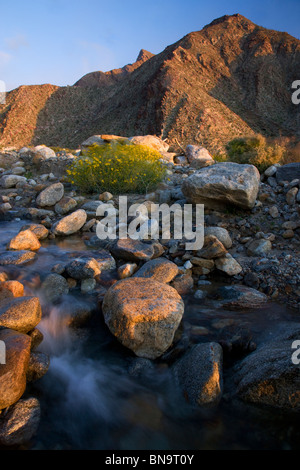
(143, 314)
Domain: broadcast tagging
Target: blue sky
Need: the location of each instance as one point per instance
(58, 41)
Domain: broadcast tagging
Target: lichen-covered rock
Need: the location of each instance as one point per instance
(143, 315)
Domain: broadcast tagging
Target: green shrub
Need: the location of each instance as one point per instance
(256, 151)
(117, 168)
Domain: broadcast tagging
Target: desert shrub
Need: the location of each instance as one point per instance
(220, 158)
(117, 168)
(256, 151)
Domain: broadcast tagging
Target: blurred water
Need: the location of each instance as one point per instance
(90, 401)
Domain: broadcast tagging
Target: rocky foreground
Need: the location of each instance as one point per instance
(251, 249)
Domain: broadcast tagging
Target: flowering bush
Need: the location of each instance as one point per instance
(118, 168)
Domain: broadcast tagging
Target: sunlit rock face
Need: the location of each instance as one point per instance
(143, 314)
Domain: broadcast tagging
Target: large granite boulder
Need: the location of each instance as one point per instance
(223, 184)
(143, 314)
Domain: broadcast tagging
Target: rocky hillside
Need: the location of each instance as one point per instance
(231, 78)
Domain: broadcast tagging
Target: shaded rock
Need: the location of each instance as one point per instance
(271, 171)
(91, 207)
(291, 196)
(273, 211)
(288, 172)
(70, 224)
(223, 184)
(106, 196)
(127, 270)
(16, 288)
(228, 265)
(241, 297)
(36, 213)
(36, 337)
(20, 423)
(13, 373)
(87, 285)
(38, 229)
(221, 234)
(270, 375)
(5, 295)
(136, 250)
(143, 315)
(65, 205)
(21, 314)
(10, 181)
(159, 269)
(83, 268)
(199, 374)
(140, 367)
(16, 257)
(53, 287)
(51, 195)
(198, 157)
(25, 240)
(259, 247)
(38, 366)
(183, 283)
(212, 248)
(80, 314)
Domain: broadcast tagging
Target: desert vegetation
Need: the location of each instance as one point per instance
(117, 167)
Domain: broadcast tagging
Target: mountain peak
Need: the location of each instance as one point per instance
(231, 19)
(144, 55)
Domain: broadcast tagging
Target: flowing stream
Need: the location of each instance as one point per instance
(93, 398)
